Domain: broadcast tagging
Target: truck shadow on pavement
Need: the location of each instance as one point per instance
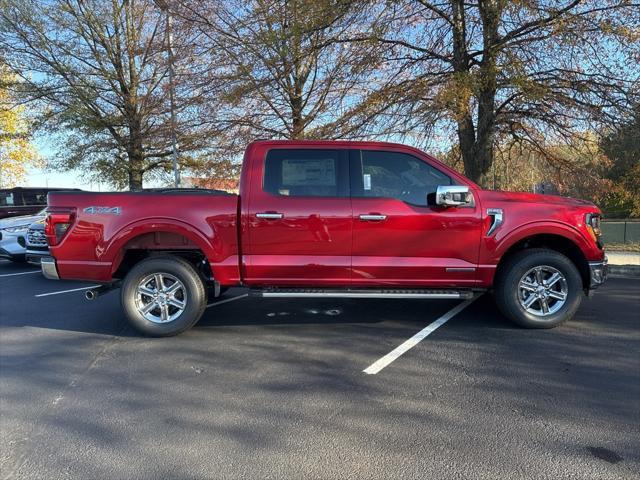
(478, 396)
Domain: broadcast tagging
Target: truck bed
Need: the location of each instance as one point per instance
(109, 226)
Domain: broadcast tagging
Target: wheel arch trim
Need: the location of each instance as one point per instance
(114, 251)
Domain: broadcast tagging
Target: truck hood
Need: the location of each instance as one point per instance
(491, 196)
(21, 220)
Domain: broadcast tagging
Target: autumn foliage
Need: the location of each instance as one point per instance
(16, 151)
(513, 93)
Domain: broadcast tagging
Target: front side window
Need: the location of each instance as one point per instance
(400, 176)
(304, 173)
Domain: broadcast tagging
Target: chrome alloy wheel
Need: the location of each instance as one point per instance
(543, 291)
(161, 297)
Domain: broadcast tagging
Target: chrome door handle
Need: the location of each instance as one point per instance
(270, 215)
(373, 217)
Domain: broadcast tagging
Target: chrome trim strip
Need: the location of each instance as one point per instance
(49, 269)
(373, 217)
(498, 217)
(452, 295)
(598, 272)
(270, 216)
(461, 269)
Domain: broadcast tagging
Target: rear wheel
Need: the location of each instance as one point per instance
(163, 296)
(538, 288)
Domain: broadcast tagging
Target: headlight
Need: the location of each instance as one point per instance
(592, 220)
(18, 229)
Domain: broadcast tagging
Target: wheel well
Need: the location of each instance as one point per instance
(162, 243)
(552, 242)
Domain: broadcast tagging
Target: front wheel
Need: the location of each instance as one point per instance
(163, 296)
(538, 288)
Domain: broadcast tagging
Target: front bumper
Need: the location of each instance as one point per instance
(34, 255)
(12, 245)
(598, 272)
(49, 268)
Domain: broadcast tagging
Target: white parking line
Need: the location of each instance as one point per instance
(417, 338)
(19, 273)
(228, 300)
(67, 291)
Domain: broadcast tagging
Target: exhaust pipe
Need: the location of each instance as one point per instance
(94, 293)
(91, 294)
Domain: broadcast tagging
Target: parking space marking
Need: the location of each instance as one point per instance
(228, 300)
(67, 291)
(417, 338)
(19, 273)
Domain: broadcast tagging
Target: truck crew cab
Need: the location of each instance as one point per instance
(329, 219)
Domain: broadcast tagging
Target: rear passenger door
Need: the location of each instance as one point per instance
(300, 219)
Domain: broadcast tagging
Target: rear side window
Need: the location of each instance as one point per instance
(306, 173)
(400, 176)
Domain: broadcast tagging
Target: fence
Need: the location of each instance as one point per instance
(621, 231)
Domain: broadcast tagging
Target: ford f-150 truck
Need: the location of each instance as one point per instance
(329, 219)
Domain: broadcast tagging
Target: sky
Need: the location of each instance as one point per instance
(44, 177)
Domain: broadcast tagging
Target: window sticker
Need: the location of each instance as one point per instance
(304, 172)
(366, 180)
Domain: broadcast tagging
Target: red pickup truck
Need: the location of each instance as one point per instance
(329, 219)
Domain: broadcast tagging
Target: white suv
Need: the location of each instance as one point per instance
(13, 233)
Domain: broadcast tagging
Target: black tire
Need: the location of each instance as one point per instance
(506, 287)
(194, 294)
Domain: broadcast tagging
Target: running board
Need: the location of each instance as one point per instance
(360, 293)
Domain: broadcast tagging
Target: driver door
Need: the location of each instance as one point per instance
(400, 237)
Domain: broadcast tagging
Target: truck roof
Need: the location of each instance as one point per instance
(341, 143)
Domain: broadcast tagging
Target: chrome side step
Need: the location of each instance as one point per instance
(361, 293)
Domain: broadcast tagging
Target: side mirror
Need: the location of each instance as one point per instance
(453, 195)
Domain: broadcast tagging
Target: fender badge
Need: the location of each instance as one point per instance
(103, 210)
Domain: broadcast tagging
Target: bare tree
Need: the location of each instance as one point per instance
(537, 72)
(97, 70)
(282, 69)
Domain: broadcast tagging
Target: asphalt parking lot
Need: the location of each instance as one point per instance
(277, 389)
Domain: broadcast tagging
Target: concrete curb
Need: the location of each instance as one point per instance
(623, 258)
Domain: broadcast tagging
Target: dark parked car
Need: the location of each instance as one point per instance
(24, 200)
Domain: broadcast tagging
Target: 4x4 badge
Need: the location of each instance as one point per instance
(103, 210)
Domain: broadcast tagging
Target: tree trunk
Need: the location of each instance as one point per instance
(476, 141)
(135, 179)
(297, 124)
(486, 96)
(297, 120)
(463, 114)
(135, 155)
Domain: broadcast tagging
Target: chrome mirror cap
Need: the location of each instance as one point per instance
(453, 195)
